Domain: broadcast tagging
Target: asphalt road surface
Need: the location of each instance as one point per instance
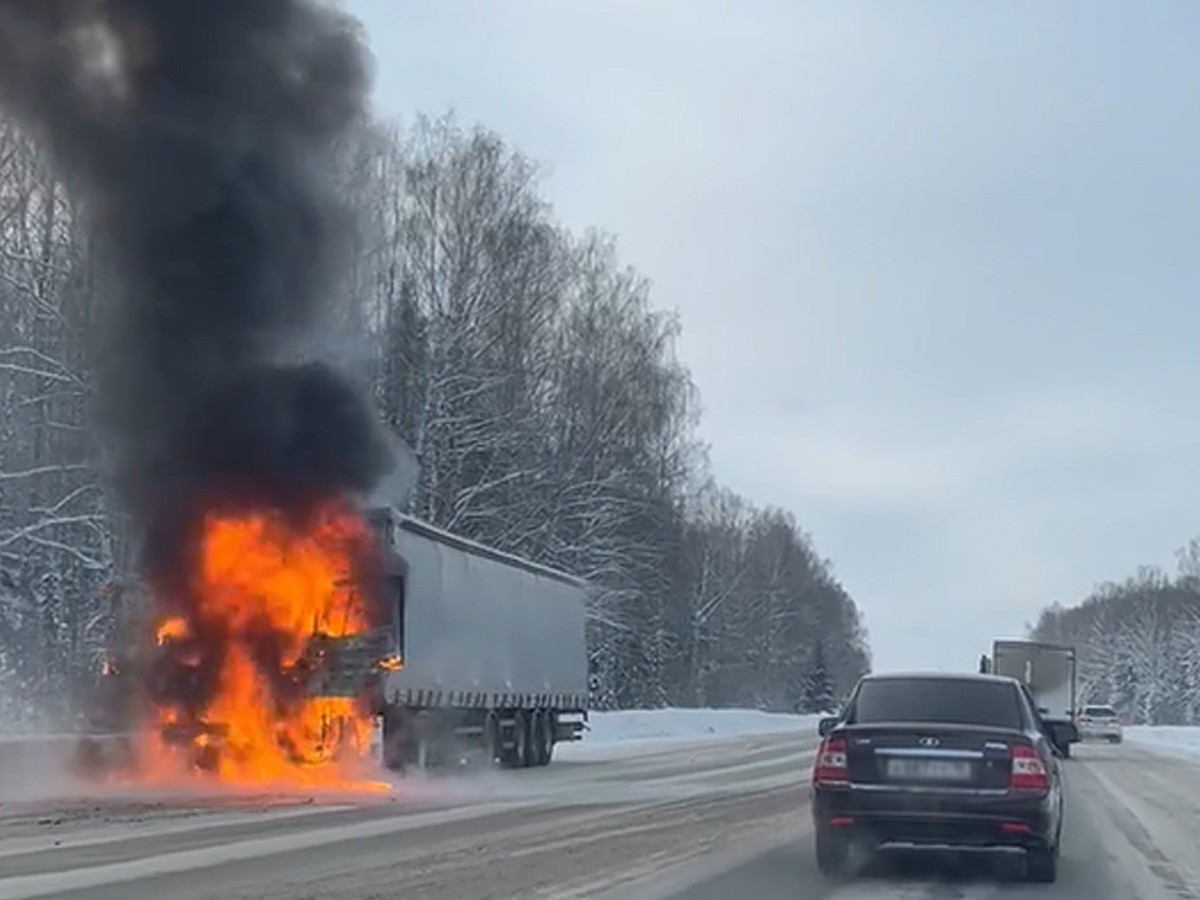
(727, 820)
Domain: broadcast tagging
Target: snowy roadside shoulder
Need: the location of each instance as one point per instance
(610, 734)
(1178, 740)
(635, 730)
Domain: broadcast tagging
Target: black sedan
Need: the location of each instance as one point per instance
(960, 761)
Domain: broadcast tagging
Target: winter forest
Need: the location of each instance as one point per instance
(537, 385)
(1138, 643)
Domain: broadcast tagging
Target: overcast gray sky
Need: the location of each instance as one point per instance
(936, 263)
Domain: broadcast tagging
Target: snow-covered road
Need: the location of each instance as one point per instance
(655, 809)
(1131, 833)
(645, 792)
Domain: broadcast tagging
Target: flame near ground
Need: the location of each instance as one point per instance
(237, 663)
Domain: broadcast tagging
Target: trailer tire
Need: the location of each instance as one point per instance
(536, 729)
(527, 739)
(516, 749)
(493, 749)
(544, 741)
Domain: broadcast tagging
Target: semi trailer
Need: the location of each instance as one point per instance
(485, 652)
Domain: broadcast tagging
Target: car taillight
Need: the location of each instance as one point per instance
(830, 767)
(1028, 772)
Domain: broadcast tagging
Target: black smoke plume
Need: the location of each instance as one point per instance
(196, 137)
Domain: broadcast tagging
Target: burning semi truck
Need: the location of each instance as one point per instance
(203, 145)
(300, 651)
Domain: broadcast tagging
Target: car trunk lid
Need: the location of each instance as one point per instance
(930, 755)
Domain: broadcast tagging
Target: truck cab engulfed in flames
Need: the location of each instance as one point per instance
(467, 652)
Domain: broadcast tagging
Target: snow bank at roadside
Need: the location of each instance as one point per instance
(1178, 739)
(641, 726)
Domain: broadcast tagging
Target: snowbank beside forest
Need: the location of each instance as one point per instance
(637, 728)
(1179, 739)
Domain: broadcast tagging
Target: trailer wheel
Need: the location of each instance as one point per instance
(545, 736)
(493, 750)
(550, 722)
(519, 754)
(533, 739)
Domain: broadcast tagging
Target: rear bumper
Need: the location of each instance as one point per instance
(956, 819)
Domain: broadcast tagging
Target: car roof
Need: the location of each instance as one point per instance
(940, 676)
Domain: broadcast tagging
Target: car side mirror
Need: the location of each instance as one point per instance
(827, 724)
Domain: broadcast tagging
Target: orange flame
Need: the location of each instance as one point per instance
(172, 629)
(263, 588)
(394, 663)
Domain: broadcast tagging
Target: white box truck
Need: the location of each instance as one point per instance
(1048, 670)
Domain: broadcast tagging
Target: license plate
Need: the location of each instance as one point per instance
(929, 769)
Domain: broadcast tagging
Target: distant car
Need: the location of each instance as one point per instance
(959, 761)
(1100, 723)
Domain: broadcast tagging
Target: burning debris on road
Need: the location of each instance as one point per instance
(196, 137)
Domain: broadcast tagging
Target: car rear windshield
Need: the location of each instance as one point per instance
(945, 701)
(1099, 711)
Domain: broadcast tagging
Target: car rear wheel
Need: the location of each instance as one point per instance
(833, 852)
(1041, 864)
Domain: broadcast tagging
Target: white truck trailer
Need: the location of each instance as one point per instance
(1048, 670)
(485, 652)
